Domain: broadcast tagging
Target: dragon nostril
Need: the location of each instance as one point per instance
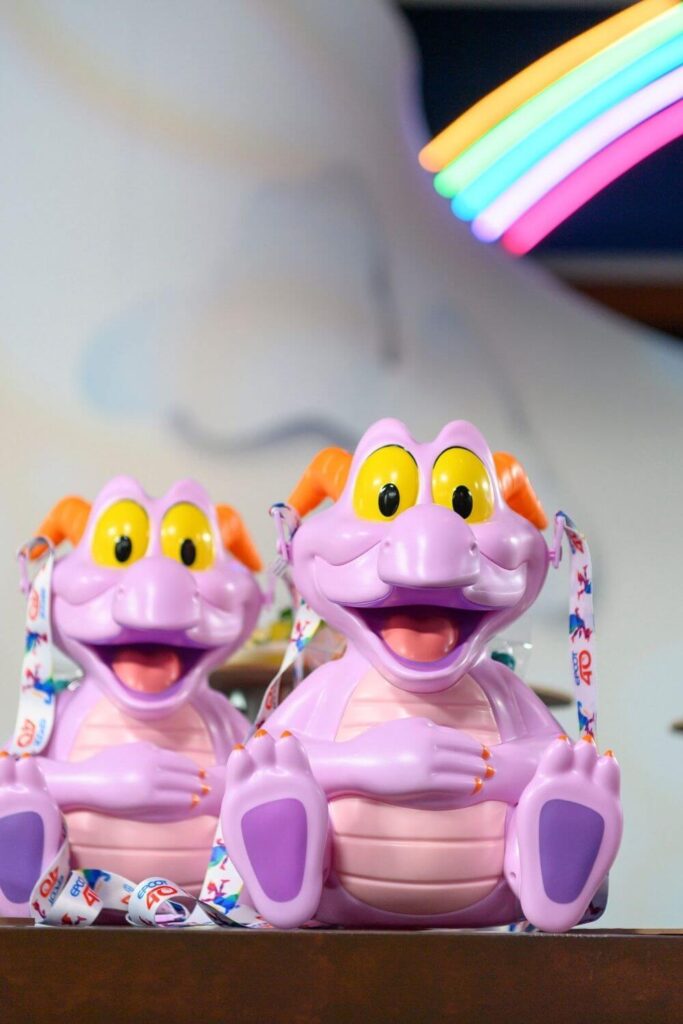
(473, 548)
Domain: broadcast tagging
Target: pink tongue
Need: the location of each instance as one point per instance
(420, 636)
(149, 671)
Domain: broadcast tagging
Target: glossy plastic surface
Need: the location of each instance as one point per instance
(31, 832)
(147, 603)
(424, 782)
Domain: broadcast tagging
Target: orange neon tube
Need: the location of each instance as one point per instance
(497, 105)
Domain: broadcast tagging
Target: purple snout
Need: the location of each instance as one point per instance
(429, 546)
(157, 594)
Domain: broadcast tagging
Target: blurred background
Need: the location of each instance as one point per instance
(220, 253)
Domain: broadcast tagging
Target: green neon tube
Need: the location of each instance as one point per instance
(479, 156)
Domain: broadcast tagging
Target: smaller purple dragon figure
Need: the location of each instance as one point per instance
(153, 596)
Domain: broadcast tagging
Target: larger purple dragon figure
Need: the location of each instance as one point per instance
(416, 781)
(154, 594)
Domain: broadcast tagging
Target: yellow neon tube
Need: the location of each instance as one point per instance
(485, 114)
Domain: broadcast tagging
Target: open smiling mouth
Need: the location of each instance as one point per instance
(422, 633)
(148, 668)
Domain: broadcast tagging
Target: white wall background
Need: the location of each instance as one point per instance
(218, 252)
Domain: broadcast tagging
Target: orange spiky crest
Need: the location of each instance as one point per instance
(236, 539)
(66, 521)
(324, 478)
(517, 489)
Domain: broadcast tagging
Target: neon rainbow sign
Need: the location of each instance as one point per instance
(527, 156)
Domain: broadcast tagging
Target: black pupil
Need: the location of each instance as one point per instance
(123, 549)
(389, 499)
(462, 501)
(188, 551)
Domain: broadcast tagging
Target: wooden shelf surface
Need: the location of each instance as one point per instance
(228, 976)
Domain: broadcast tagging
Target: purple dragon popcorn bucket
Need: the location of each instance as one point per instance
(154, 595)
(415, 781)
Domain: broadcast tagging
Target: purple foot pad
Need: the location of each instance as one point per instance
(570, 838)
(275, 837)
(21, 854)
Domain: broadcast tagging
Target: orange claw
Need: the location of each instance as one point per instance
(205, 790)
(195, 800)
(486, 753)
(26, 754)
(285, 734)
(609, 753)
(563, 736)
(4, 753)
(238, 746)
(490, 772)
(202, 773)
(588, 738)
(478, 784)
(260, 732)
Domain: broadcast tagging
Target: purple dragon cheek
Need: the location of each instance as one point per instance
(78, 580)
(226, 586)
(510, 541)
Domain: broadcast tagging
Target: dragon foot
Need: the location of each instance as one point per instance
(30, 832)
(275, 821)
(565, 834)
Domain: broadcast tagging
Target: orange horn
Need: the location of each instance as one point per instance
(236, 538)
(517, 489)
(66, 521)
(324, 478)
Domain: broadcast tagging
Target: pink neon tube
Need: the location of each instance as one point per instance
(574, 151)
(589, 179)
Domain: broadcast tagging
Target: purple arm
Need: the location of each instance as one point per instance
(138, 780)
(415, 760)
(411, 759)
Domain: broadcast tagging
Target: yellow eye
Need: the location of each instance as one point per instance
(121, 535)
(461, 481)
(186, 536)
(386, 484)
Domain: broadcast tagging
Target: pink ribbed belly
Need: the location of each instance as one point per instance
(177, 850)
(412, 861)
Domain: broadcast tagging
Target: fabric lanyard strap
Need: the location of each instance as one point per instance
(39, 683)
(305, 622)
(78, 898)
(581, 619)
